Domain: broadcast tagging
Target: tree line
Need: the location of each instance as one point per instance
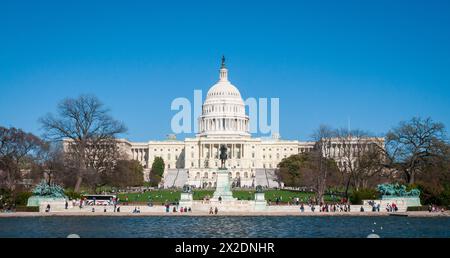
(415, 153)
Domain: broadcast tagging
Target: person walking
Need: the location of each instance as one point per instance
(216, 211)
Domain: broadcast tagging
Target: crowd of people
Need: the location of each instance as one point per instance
(391, 207)
(325, 207)
(434, 208)
(215, 211)
(176, 209)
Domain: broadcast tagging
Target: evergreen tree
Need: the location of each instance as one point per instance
(157, 171)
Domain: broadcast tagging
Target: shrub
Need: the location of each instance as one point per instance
(26, 209)
(417, 208)
(72, 195)
(22, 198)
(356, 197)
(428, 195)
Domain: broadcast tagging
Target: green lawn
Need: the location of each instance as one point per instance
(173, 195)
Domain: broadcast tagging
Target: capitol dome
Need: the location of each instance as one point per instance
(223, 112)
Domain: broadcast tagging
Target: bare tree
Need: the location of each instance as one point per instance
(411, 145)
(370, 165)
(351, 146)
(17, 150)
(49, 163)
(322, 136)
(88, 128)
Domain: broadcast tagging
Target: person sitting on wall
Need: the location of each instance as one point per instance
(361, 209)
(216, 211)
(48, 208)
(302, 208)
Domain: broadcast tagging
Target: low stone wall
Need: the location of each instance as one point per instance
(244, 207)
(401, 204)
(408, 201)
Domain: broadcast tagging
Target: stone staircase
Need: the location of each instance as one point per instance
(169, 178)
(181, 179)
(175, 178)
(266, 178)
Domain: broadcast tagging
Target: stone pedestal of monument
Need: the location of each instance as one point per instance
(260, 202)
(35, 201)
(223, 189)
(186, 200)
(408, 201)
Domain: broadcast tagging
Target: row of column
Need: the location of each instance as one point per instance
(337, 150)
(224, 124)
(139, 154)
(212, 150)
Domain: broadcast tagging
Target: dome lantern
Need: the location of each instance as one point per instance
(223, 71)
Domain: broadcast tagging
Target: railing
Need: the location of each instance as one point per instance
(173, 184)
(267, 178)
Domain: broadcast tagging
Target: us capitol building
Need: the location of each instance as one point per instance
(251, 161)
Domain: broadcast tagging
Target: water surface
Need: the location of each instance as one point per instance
(228, 227)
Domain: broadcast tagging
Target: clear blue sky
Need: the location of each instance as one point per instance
(377, 62)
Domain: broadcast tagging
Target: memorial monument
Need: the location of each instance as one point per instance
(223, 188)
(260, 200)
(397, 192)
(186, 197)
(44, 192)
